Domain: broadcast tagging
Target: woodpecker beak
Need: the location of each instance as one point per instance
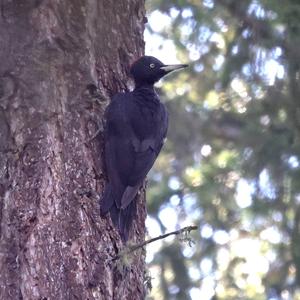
(170, 68)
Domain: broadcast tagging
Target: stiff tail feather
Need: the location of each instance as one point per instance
(107, 200)
(121, 218)
(126, 217)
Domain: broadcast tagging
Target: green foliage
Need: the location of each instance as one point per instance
(231, 163)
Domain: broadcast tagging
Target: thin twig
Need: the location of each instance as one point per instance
(160, 237)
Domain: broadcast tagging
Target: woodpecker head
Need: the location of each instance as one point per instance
(148, 70)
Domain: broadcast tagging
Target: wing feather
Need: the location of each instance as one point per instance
(128, 157)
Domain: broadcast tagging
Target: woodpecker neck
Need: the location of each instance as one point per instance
(146, 93)
(143, 85)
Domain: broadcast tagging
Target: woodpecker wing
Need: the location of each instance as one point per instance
(130, 152)
(117, 149)
(128, 156)
(144, 155)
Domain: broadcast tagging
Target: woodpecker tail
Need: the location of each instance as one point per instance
(126, 217)
(107, 200)
(121, 218)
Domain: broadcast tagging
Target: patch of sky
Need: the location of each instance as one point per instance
(272, 70)
(246, 70)
(258, 91)
(250, 250)
(244, 192)
(206, 266)
(198, 67)
(293, 162)
(163, 49)
(267, 65)
(219, 60)
(188, 251)
(190, 201)
(153, 229)
(206, 150)
(266, 186)
(191, 207)
(156, 176)
(194, 273)
(174, 12)
(204, 34)
(187, 13)
(195, 293)
(206, 231)
(297, 198)
(257, 10)
(271, 234)
(174, 183)
(221, 237)
(277, 52)
(235, 50)
(277, 216)
(203, 49)
(169, 217)
(173, 289)
(187, 28)
(280, 30)
(246, 33)
(175, 200)
(208, 3)
(207, 290)
(194, 51)
(159, 21)
(218, 40)
(188, 108)
(221, 24)
(249, 223)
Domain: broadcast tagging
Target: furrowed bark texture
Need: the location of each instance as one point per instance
(53, 243)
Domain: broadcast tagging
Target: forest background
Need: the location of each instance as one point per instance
(231, 162)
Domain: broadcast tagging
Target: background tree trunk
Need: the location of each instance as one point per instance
(53, 243)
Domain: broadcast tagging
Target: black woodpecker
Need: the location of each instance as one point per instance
(136, 126)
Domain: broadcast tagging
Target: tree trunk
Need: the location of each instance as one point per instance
(53, 242)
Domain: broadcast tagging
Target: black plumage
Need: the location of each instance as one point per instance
(136, 126)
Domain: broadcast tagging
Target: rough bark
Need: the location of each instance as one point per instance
(53, 243)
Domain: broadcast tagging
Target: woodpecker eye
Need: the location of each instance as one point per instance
(152, 66)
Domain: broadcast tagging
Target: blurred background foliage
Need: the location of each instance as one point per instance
(231, 164)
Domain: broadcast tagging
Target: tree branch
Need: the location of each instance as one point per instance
(133, 248)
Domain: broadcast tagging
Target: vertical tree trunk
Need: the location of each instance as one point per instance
(53, 243)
